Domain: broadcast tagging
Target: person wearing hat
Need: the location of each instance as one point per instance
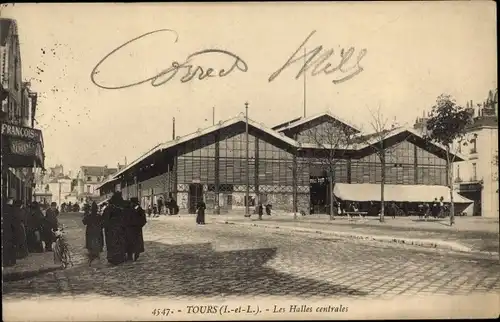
(93, 233)
(9, 233)
(34, 225)
(50, 223)
(136, 219)
(114, 224)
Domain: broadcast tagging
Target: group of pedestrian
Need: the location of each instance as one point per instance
(168, 207)
(25, 228)
(260, 210)
(436, 209)
(119, 227)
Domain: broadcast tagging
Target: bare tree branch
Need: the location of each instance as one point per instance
(382, 129)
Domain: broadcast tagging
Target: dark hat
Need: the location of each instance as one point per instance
(116, 198)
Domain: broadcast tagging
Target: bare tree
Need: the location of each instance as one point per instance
(382, 128)
(330, 141)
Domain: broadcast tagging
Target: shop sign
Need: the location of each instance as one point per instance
(25, 148)
(21, 132)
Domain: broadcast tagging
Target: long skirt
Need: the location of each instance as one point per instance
(200, 218)
(135, 240)
(93, 242)
(115, 245)
(34, 241)
(22, 243)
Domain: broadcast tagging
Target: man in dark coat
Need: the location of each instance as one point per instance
(34, 229)
(93, 233)
(50, 223)
(160, 206)
(200, 210)
(114, 229)
(9, 233)
(136, 219)
(20, 213)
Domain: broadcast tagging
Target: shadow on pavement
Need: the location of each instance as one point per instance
(16, 276)
(186, 270)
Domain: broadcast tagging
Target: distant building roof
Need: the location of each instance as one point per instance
(300, 121)
(98, 171)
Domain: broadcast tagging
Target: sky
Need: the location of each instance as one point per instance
(413, 53)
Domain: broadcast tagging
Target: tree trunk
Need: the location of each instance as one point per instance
(382, 186)
(449, 172)
(330, 184)
(294, 173)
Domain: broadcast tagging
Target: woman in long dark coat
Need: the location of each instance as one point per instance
(93, 233)
(136, 219)
(114, 230)
(200, 218)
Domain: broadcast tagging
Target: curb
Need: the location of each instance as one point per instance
(427, 243)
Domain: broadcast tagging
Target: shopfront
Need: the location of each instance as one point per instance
(22, 153)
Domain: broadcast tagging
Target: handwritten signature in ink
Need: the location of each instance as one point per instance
(318, 65)
(191, 70)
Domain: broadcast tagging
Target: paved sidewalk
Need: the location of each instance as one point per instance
(470, 234)
(33, 265)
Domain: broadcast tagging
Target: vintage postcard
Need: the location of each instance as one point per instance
(249, 161)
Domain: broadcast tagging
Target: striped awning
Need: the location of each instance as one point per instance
(396, 193)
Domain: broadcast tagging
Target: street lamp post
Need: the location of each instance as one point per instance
(247, 208)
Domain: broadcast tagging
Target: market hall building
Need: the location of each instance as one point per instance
(283, 168)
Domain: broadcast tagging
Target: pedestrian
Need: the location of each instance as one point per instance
(50, 224)
(442, 207)
(22, 246)
(114, 230)
(200, 210)
(160, 206)
(136, 219)
(9, 232)
(170, 206)
(260, 210)
(175, 207)
(155, 211)
(35, 224)
(150, 211)
(435, 208)
(93, 233)
(269, 208)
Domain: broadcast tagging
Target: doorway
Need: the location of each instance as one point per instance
(319, 195)
(195, 196)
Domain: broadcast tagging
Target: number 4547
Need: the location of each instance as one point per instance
(164, 312)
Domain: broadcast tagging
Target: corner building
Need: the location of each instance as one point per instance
(284, 167)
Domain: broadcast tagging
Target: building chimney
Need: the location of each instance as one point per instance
(173, 128)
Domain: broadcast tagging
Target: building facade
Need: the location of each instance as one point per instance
(54, 185)
(22, 144)
(284, 166)
(88, 178)
(477, 176)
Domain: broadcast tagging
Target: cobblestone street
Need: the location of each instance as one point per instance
(185, 261)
